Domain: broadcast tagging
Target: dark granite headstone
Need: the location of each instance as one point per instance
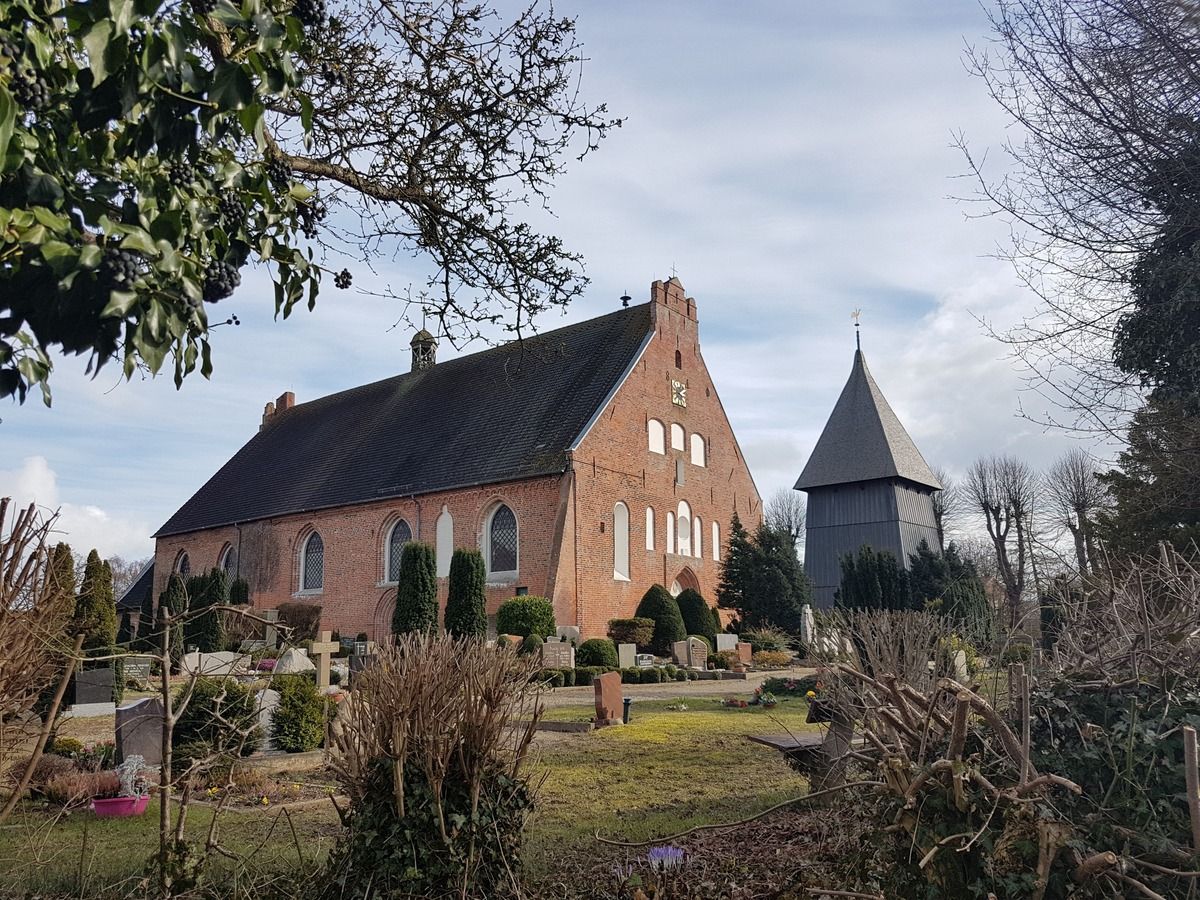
(93, 686)
(139, 730)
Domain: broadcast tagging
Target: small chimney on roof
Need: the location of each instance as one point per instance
(285, 402)
(424, 351)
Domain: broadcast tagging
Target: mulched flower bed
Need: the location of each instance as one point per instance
(254, 789)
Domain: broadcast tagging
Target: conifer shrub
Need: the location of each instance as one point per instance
(650, 676)
(239, 592)
(568, 677)
(298, 722)
(596, 652)
(525, 616)
(466, 614)
(529, 645)
(302, 618)
(697, 616)
(416, 590)
(631, 631)
(659, 605)
(96, 616)
(631, 676)
(173, 601)
(220, 720)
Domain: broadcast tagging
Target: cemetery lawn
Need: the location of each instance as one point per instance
(665, 772)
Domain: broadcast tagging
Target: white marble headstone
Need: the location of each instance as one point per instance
(626, 655)
(267, 701)
(726, 642)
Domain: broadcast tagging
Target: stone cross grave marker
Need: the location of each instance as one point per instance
(697, 653)
(627, 655)
(139, 730)
(608, 699)
(322, 650)
(557, 655)
(726, 642)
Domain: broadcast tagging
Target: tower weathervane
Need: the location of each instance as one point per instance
(857, 336)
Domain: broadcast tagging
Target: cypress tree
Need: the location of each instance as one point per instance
(875, 580)
(239, 592)
(416, 590)
(146, 631)
(659, 605)
(173, 601)
(96, 617)
(697, 617)
(209, 634)
(466, 615)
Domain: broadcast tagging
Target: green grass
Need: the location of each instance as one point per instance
(666, 771)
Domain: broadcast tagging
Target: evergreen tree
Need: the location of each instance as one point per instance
(950, 585)
(239, 592)
(62, 576)
(173, 601)
(735, 563)
(466, 613)
(697, 617)
(416, 590)
(208, 630)
(96, 616)
(146, 640)
(874, 580)
(658, 604)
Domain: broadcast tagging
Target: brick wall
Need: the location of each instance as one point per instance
(565, 522)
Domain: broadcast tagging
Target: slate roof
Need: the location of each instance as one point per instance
(503, 414)
(863, 440)
(137, 592)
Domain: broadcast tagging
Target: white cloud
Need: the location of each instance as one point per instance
(83, 526)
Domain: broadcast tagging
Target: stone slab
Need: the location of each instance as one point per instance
(745, 652)
(679, 653)
(726, 642)
(90, 710)
(137, 668)
(139, 730)
(569, 632)
(626, 655)
(609, 700)
(217, 665)
(557, 655)
(293, 661)
(92, 686)
(267, 701)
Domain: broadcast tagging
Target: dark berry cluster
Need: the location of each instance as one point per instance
(220, 280)
(119, 267)
(279, 173)
(311, 215)
(231, 208)
(182, 174)
(333, 75)
(29, 88)
(311, 13)
(342, 279)
(203, 7)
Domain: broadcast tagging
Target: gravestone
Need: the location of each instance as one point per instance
(697, 653)
(251, 646)
(626, 655)
(679, 653)
(568, 633)
(270, 632)
(726, 642)
(137, 668)
(808, 626)
(139, 730)
(644, 661)
(608, 699)
(745, 652)
(266, 702)
(960, 667)
(322, 650)
(293, 661)
(218, 665)
(557, 655)
(92, 693)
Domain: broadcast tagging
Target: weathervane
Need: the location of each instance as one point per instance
(857, 336)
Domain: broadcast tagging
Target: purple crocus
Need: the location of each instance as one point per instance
(666, 859)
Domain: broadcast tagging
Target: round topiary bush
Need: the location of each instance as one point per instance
(596, 652)
(697, 616)
(631, 631)
(525, 616)
(568, 677)
(529, 644)
(631, 676)
(659, 605)
(650, 676)
(298, 722)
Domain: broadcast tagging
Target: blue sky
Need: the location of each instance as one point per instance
(792, 161)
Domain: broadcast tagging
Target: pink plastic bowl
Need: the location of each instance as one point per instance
(120, 807)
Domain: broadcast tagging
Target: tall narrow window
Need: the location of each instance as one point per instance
(670, 532)
(621, 542)
(685, 528)
(312, 564)
(716, 541)
(445, 542)
(649, 527)
(399, 535)
(698, 454)
(697, 534)
(502, 542)
(656, 436)
(678, 360)
(676, 436)
(184, 566)
(228, 561)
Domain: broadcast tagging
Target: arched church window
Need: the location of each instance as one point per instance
(698, 454)
(685, 528)
(656, 436)
(228, 561)
(184, 565)
(621, 542)
(649, 527)
(676, 436)
(312, 563)
(444, 537)
(399, 535)
(502, 541)
(678, 360)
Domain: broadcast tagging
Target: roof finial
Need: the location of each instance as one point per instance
(674, 273)
(857, 335)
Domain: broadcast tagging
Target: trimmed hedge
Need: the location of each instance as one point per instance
(596, 652)
(298, 722)
(631, 631)
(659, 605)
(525, 616)
(466, 615)
(416, 590)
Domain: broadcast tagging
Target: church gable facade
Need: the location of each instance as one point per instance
(586, 464)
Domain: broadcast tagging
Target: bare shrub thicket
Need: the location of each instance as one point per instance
(1064, 780)
(432, 749)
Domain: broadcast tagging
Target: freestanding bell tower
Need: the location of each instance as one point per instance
(866, 483)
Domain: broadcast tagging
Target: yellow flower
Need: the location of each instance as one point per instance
(265, 800)
(811, 694)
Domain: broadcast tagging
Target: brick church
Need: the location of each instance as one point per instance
(586, 463)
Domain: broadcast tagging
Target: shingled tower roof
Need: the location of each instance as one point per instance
(863, 440)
